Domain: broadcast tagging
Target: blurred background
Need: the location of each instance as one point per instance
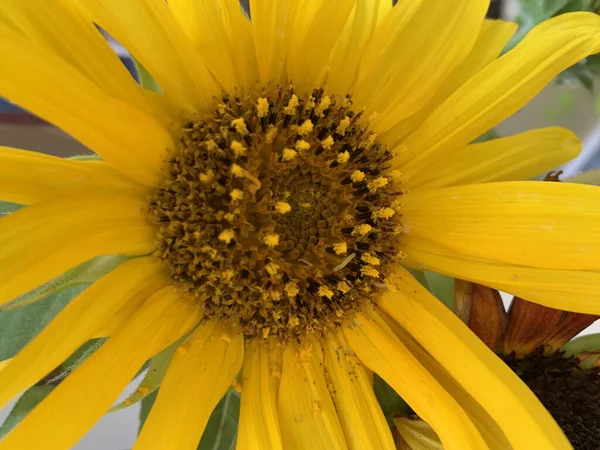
(571, 101)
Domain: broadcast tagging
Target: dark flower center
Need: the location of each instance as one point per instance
(278, 212)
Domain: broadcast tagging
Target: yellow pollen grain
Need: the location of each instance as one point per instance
(357, 176)
(210, 145)
(288, 154)
(271, 240)
(316, 408)
(328, 142)
(181, 350)
(324, 291)
(340, 248)
(237, 171)
(265, 332)
(310, 104)
(276, 296)
(343, 157)
(361, 230)
(395, 174)
(323, 105)
(302, 145)
(238, 148)
(225, 337)
(229, 217)
(236, 194)
(207, 176)
(384, 213)
(343, 287)
(290, 108)
(291, 289)
(127, 401)
(272, 268)
(370, 259)
(227, 275)
(227, 236)
(378, 183)
(271, 133)
(369, 272)
(343, 126)
(237, 387)
(306, 128)
(240, 126)
(368, 143)
(262, 107)
(282, 207)
(143, 390)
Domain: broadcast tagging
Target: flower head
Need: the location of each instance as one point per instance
(356, 114)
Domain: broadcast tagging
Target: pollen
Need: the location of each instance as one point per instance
(306, 128)
(271, 240)
(343, 157)
(340, 248)
(236, 195)
(143, 390)
(343, 126)
(288, 154)
(302, 145)
(262, 107)
(275, 213)
(227, 236)
(357, 176)
(282, 207)
(361, 230)
(240, 126)
(328, 142)
(238, 148)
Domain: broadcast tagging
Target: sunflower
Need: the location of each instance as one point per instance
(536, 342)
(272, 192)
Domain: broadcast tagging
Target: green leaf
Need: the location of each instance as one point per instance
(40, 390)
(147, 403)
(156, 371)
(145, 79)
(86, 158)
(587, 343)
(7, 207)
(442, 287)
(85, 273)
(221, 431)
(391, 403)
(26, 403)
(19, 326)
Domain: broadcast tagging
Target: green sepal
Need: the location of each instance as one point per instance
(85, 273)
(145, 78)
(8, 207)
(441, 286)
(587, 343)
(85, 158)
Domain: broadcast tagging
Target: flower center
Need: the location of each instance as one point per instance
(277, 212)
(569, 392)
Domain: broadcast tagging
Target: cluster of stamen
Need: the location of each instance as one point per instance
(279, 212)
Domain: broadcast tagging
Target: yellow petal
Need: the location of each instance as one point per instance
(202, 22)
(30, 177)
(149, 31)
(125, 288)
(259, 424)
(519, 157)
(413, 66)
(534, 224)
(417, 434)
(41, 82)
(4, 363)
(347, 54)
(363, 421)
(493, 37)
(569, 290)
(316, 27)
(380, 350)
(201, 370)
(307, 416)
(506, 398)
(42, 241)
(84, 396)
(83, 47)
(489, 429)
(504, 86)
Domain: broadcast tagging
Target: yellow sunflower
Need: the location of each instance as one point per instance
(289, 167)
